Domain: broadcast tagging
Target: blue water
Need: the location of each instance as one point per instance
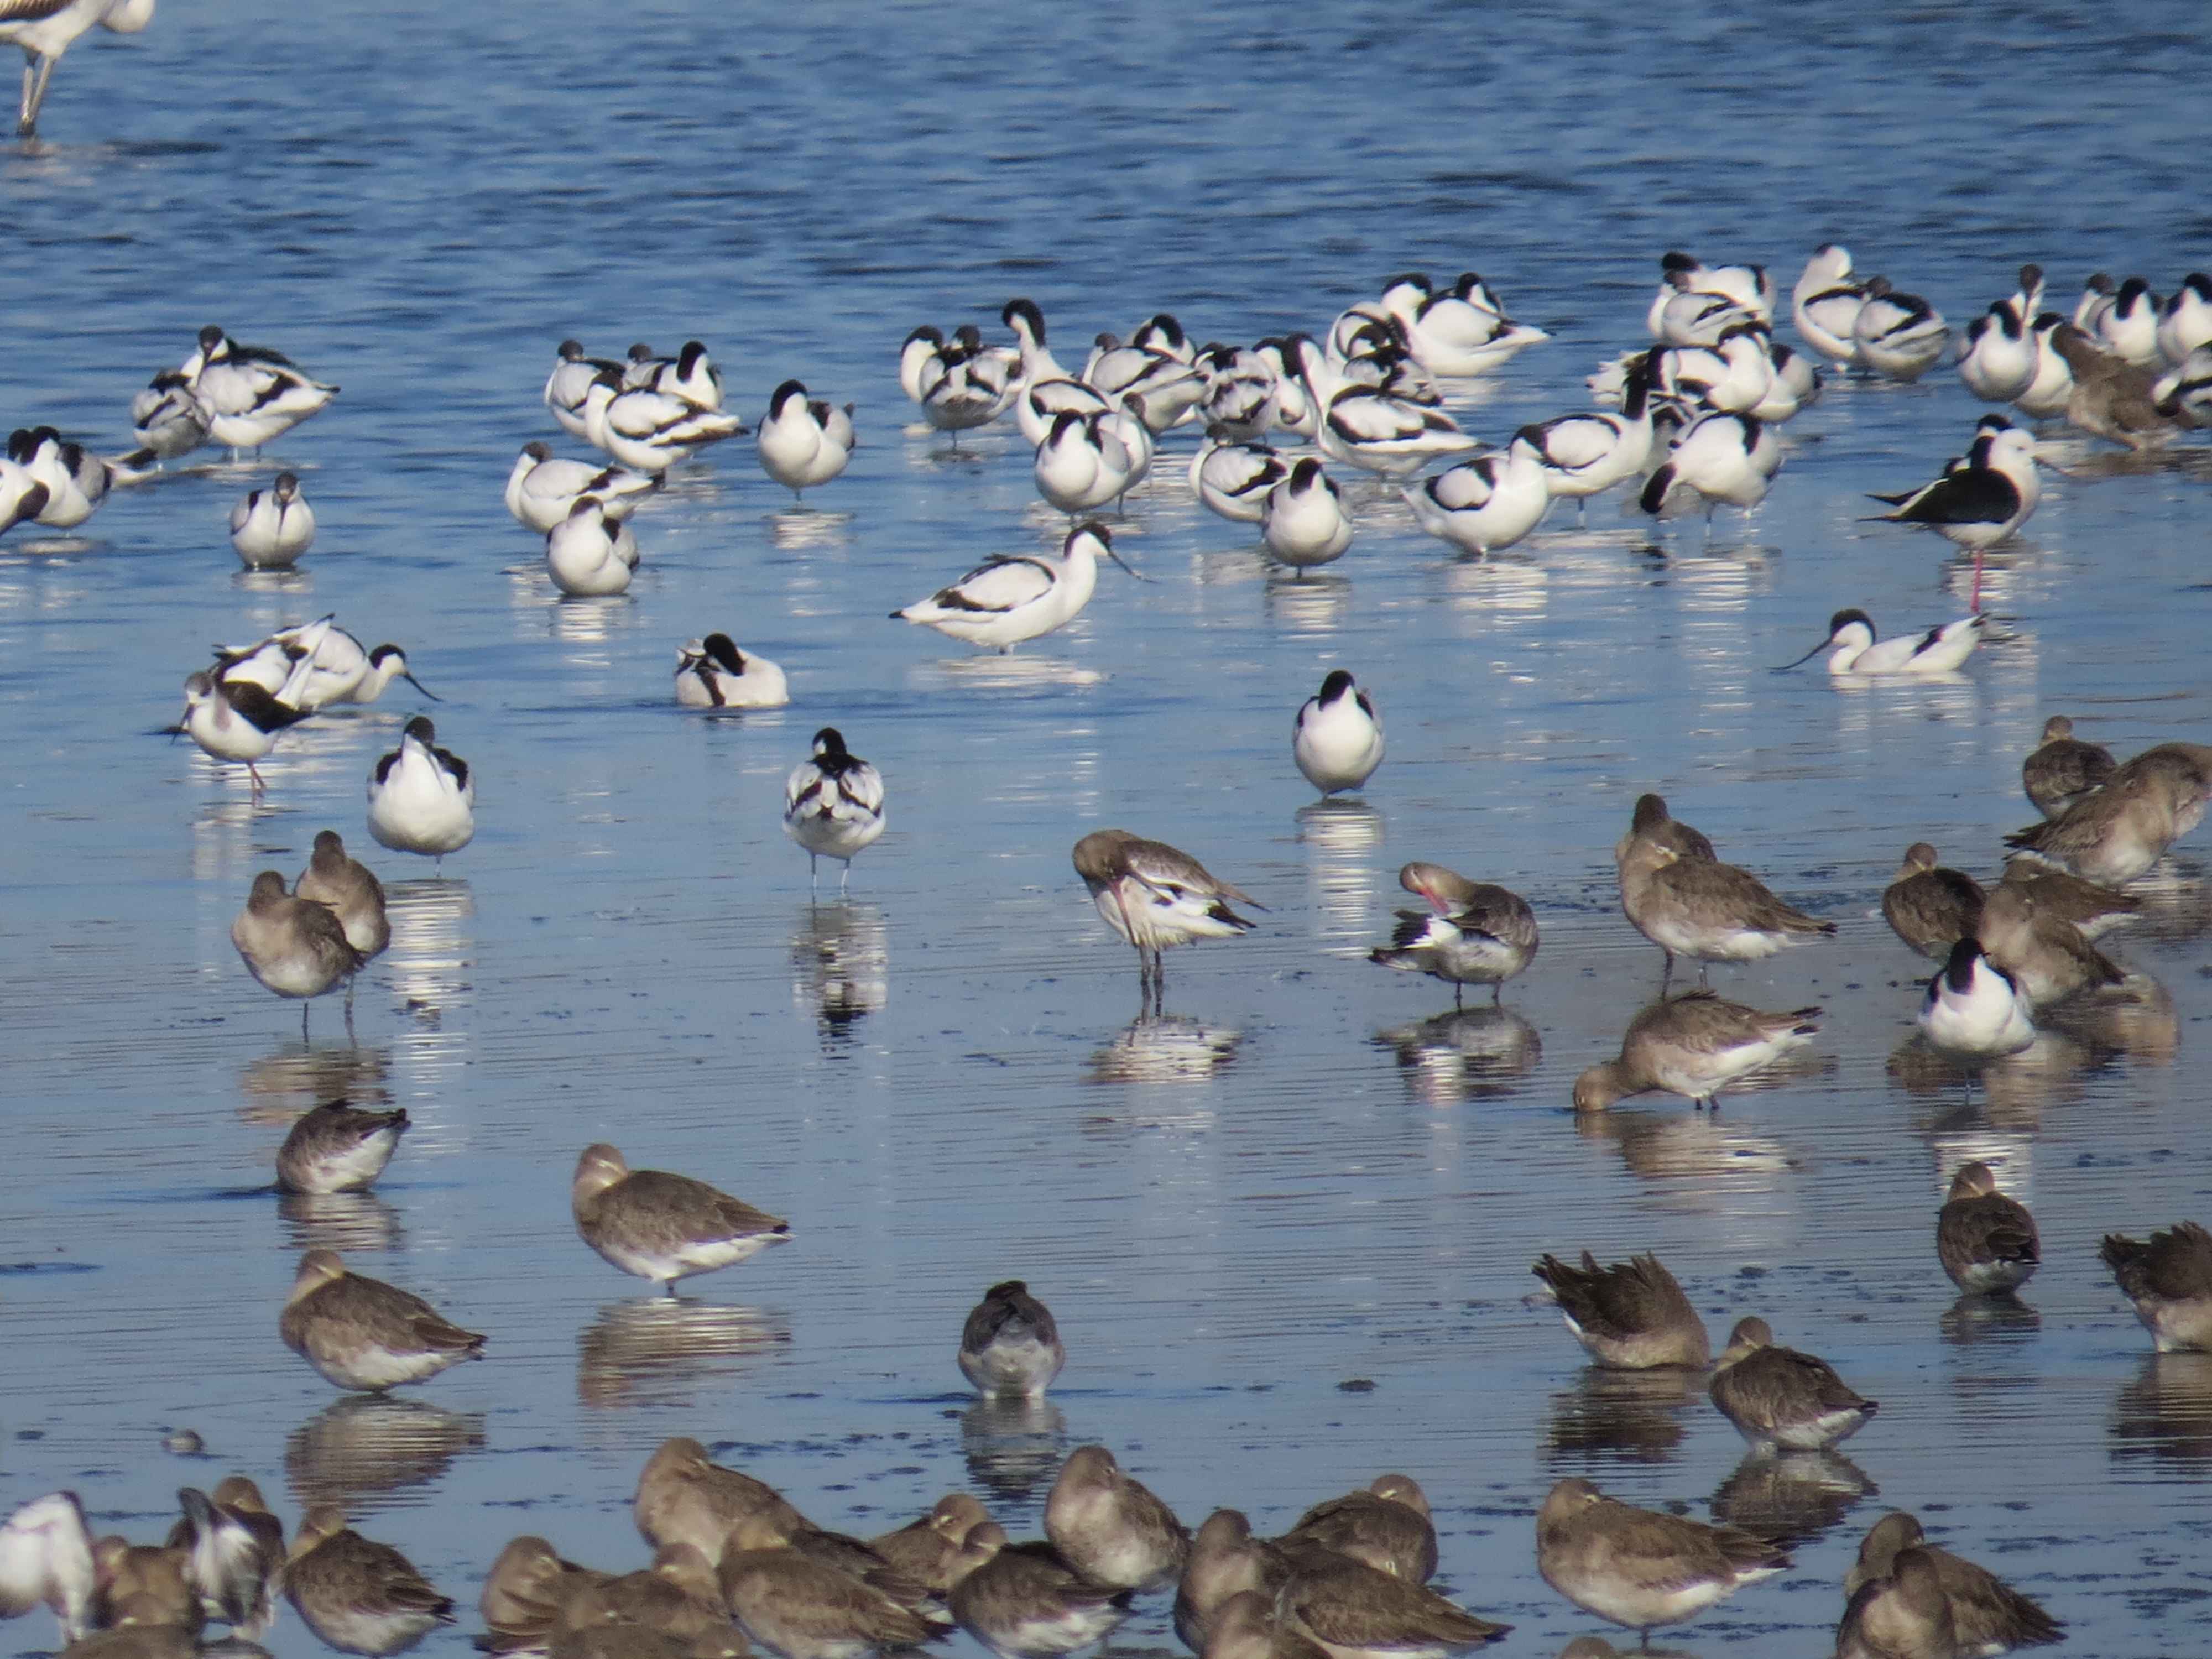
(1291, 1184)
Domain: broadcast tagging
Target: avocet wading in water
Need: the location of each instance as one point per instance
(591, 552)
(543, 487)
(45, 29)
(241, 722)
(1156, 896)
(1006, 600)
(1337, 740)
(270, 528)
(713, 673)
(421, 798)
(833, 804)
(1972, 1007)
(341, 669)
(804, 442)
(1489, 502)
(1939, 651)
(1302, 518)
(253, 394)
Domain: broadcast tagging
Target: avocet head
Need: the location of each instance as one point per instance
(213, 343)
(1831, 262)
(388, 663)
(829, 744)
(723, 652)
(419, 730)
(1023, 316)
(689, 359)
(1336, 683)
(1675, 259)
(1308, 475)
(2012, 443)
(286, 487)
(928, 334)
(1160, 332)
(570, 351)
(1850, 631)
(1091, 538)
(783, 395)
(538, 451)
(639, 352)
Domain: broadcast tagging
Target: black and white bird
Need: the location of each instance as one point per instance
(2184, 322)
(270, 528)
(1585, 455)
(1979, 501)
(1241, 392)
(2183, 393)
(1825, 304)
(1461, 331)
(804, 442)
(1087, 461)
(339, 667)
(168, 418)
(2128, 328)
(1718, 458)
(1997, 356)
(76, 481)
(45, 29)
(569, 385)
(1973, 1008)
(651, 431)
(1045, 391)
(590, 553)
(713, 673)
(964, 384)
(1490, 503)
(1232, 478)
(241, 722)
(543, 487)
(421, 798)
(1473, 933)
(1337, 739)
(691, 374)
(833, 804)
(1302, 518)
(1368, 427)
(1004, 601)
(253, 394)
(1940, 650)
(1898, 336)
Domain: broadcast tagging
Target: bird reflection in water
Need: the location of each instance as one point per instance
(278, 1087)
(338, 1221)
(1340, 838)
(1610, 1418)
(663, 1350)
(1463, 1054)
(798, 528)
(1165, 1048)
(1997, 1317)
(2014, 1089)
(2176, 900)
(841, 957)
(1597, 1647)
(2165, 1413)
(1706, 1163)
(1306, 603)
(432, 948)
(1793, 1498)
(361, 1451)
(1014, 1444)
(2135, 1019)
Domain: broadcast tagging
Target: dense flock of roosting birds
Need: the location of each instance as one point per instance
(1689, 423)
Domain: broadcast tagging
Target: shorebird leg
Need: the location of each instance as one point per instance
(1458, 992)
(813, 873)
(26, 112)
(259, 787)
(1974, 599)
(1669, 974)
(845, 879)
(1498, 993)
(303, 1023)
(349, 1016)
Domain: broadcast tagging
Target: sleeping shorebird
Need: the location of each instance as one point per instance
(358, 1595)
(1630, 1316)
(254, 394)
(1351, 1608)
(1009, 1345)
(2168, 1276)
(2063, 769)
(1642, 1568)
(833, 804)
(1703, 908)
(365, 1335)
(1985, 1240)
(270, 528)
(1693, 1045)
(713, 673)
(663, 1227)
(1111, 1527)
(1387, 1524)
(337, 1149)
(1972, 1008)
(293, 946)
(543, 487)
(1472, 934)
(1155, 895)
(1337, 739)
(2117, 832)
(235, 1553)
(1930, 908)
(1023, 1600)
(2045, 957)
(1988, 1616)
(804, 442)
(1780, 1399)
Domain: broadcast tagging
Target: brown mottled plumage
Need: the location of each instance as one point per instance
(1778, 1397)
(1986, 1242)
(1356, 1612)
(1930, 908)
(1226, 1560)
(2046, 957)
(684, 1497)
(2063, 769)
(356, 1595)
(925, 1550)
(2168, 1276)
(1631, 1315)
(1693, 1045)
(360, 1333)
(661, 1226)
(1639, 1568)
(1386, 1525)
(1704, 909)
(1903, 1616)
(524, 1594)
(1987, 1615)
(1109, 1527)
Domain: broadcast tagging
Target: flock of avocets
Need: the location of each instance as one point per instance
(1692, 416)
(736, 1565)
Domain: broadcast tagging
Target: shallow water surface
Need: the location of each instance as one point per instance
(1286, 1227)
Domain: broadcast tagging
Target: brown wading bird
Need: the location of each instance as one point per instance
(360, 1333)
(2062, 768)
(1929, 908)
(663, 1227)
(2114, 834)
(1651, 822)
(2168, 1276)
(1225, 1564)
(524, 1594)
(356, 1595)
(1639, 1568)
(293, 946)
(1903, 1614)
(1353, 1611)
(1986, 1242)
(1155, 895)
(1009, 1345)
(683, 1498)
(2046, 957)
(1778, 1398)
(1386, 1525)
(1025, 1601)
(1630, 1316)
(349, 891)
(786, 1600)
(1988, 1616)
(1109, 1527)
(926, 1550)
(1693, 1045)
(1699, 907)
(337, 1149)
